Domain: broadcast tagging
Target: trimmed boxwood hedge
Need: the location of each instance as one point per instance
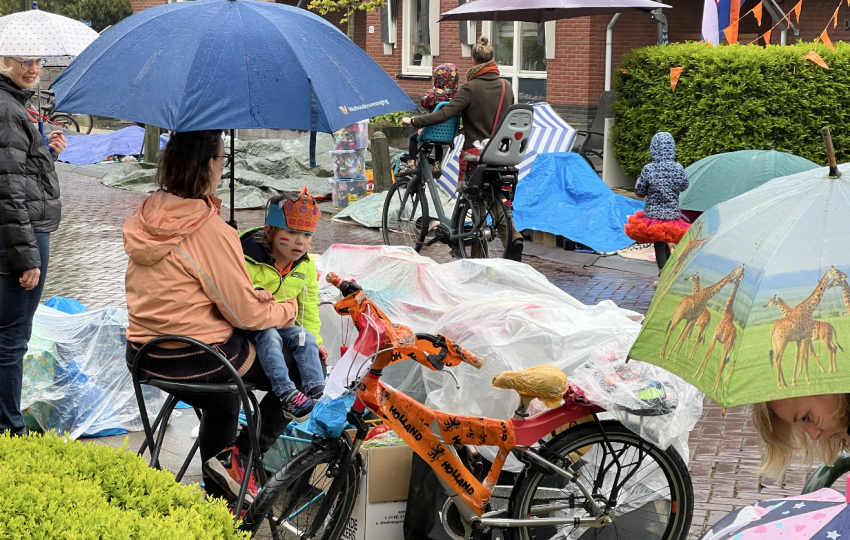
(52, 487)
(732, 98)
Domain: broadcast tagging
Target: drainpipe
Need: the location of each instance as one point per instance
(609, 50)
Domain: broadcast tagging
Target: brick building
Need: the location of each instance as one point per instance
(562, 62)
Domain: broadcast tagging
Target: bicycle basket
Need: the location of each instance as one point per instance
(441, 133)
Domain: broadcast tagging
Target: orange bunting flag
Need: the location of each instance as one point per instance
(675, 73)
(624, 70)
(835, 17)
(766, 36)
(731, 33)
(826, 41)
(814, 57)
(757, 12)
(797, 9)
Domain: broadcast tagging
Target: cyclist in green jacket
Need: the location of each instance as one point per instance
(281, 269)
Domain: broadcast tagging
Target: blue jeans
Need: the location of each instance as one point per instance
(17, 309)
(270, 344)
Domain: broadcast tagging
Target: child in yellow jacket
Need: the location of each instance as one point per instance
(281, 269)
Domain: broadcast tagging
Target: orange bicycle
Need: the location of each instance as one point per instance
(583, 477)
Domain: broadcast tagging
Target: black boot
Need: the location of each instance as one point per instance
(515, 251)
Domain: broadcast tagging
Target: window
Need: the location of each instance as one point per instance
(421, 36)
(520, 50)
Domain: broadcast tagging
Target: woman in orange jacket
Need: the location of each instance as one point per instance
(187, 276)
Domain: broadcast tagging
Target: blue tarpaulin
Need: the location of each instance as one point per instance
(88, 149)
(563, 195)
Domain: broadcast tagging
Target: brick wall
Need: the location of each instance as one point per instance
(450, 51)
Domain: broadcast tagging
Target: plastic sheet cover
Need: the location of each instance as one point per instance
(504, 311)
(264, 168)
(563, 195)
(75, 376)
(652, 402)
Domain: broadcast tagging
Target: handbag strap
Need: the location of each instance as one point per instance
(499, 112)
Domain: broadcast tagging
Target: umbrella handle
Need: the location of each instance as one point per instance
(830, 153)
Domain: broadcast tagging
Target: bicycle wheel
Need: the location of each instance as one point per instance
(494, 229)
(405, 223)
(64, 121)
(655, 497)
(85, 121)
(297, 495)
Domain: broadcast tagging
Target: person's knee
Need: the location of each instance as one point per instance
(271, 337)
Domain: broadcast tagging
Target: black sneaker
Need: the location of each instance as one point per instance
(297, 406)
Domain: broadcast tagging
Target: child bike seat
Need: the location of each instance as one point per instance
(546, 383)
(444, 133)
(508, 146)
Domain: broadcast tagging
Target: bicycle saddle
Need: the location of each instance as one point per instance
(546, 383)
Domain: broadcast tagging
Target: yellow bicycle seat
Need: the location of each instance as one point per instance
(546, 383)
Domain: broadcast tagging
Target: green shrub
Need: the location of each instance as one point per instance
(53, 487)
(732, 98)
(389, 119)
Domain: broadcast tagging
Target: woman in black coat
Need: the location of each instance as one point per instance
(29, 211)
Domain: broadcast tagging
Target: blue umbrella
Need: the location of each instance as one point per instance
(228, 64)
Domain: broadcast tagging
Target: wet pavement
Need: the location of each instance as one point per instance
(87, 262)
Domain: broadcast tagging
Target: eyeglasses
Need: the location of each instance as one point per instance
(227, 158)
(28, 64)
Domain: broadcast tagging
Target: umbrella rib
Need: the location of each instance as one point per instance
(99, 55)
(734, 351)
(314, 95)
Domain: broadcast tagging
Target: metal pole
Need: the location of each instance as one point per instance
(232, 221)
(609, 50)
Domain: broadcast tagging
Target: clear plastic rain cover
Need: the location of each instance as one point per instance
(514, 318)
(75, 377)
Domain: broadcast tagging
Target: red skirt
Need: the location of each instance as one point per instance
(644, 230)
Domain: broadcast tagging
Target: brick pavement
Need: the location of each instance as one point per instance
(88, 263)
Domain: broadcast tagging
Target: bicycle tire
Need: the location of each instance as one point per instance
(492, 240)
(576, 442)
(299, 475)
(408, 229)
(85, 121)
(64, 121)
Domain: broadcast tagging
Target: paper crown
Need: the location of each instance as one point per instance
(300, 214)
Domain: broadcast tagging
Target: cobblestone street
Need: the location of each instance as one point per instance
(87, 262)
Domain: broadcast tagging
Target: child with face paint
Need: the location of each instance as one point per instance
(281, 269)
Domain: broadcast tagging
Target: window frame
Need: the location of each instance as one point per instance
(407, 67)
(511, 72)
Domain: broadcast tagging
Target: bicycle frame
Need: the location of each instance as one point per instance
(433, 435)
(424, 166)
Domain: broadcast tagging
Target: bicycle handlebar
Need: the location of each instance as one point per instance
(348, 288)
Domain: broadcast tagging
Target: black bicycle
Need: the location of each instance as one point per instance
(481, 223)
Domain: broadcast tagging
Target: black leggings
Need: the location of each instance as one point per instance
(662, 253)
(413, 145)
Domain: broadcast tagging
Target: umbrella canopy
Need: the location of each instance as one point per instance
(721, 177)
(39, 33)
(752, 306)
(822, 515)
(543, 10)
(228, 64)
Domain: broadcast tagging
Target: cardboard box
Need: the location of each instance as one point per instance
(544, 238)
(379, 511)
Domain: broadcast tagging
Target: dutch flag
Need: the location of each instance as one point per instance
(717, 15)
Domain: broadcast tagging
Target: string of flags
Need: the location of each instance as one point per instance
(731, 32)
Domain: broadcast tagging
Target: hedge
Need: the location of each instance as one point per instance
(54, 487)
(732, 98)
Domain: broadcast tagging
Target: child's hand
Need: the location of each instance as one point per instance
(323, 354)
(264, 295)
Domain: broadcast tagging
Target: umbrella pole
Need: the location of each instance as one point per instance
(232, 221)
(830, 154)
